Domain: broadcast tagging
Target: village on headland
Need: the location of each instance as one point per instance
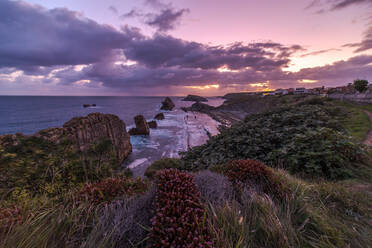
(322, 91)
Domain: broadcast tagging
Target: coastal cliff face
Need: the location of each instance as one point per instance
(83, 132)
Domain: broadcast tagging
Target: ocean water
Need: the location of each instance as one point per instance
(29, 114)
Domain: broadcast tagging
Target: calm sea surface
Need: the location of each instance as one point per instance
(29, 114)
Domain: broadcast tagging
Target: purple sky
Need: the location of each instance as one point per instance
(153, 47)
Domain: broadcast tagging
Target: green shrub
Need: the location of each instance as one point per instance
(164, 163)
(267, 137)
(37, 166)
(255, 174)
(322, 152)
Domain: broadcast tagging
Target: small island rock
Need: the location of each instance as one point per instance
(152, 124)
(159, 116)
(195, 98)
(142, 128)
(167, 104)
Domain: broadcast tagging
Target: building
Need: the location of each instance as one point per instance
(301, 91)
(281, 92)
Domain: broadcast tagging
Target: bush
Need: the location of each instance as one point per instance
(124, 223)
(9, 217)
(38, 166)
(360, 85)
(179, 214)
(254, 174)
(322, 152)
(266, 137)
(214, 188)
(110, 188)
(164, 163)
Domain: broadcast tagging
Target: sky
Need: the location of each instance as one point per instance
(160, 47)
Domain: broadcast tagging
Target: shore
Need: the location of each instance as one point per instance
(194, 129)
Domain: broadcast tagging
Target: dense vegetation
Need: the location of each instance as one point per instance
(227, 193)
(30, 165)
(306, 138)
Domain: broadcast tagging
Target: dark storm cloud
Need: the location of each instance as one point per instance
(32, 36)
(320, 52)
(113, 9)
(355, 67)
(331, 5)
(365, 44)
(167, 51)
(50, 43)
(340, 4)
(166, 20)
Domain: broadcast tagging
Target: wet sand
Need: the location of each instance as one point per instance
(195, 129)
(199, 128)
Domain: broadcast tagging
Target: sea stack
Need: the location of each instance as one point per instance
(152, 124)
(83, 132)
(159, 116)
(142, 128)
(167, 104)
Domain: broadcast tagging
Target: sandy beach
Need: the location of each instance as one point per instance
(194, 129)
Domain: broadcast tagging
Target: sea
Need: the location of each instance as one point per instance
(29, 114)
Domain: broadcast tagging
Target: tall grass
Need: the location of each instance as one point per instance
(313, 215)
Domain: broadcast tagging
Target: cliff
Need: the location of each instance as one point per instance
(83, 132)
(195, 98)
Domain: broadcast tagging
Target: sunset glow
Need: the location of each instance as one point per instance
(148, 47)
(204, 87)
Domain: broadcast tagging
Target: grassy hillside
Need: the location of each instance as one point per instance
(295, 176)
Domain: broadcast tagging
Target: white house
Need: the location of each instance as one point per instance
(281, 92)
(301, 91)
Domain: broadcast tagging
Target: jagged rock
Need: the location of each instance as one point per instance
(199, 107)
(152, 124)
(142, 128)
(89, 105)
(195, 98)
(167, 104)
(159, 116)
(85, 131)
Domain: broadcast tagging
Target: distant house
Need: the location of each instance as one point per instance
(281, 92)
(291, 90)
(301, 91)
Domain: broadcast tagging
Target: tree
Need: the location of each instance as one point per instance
(360, 85)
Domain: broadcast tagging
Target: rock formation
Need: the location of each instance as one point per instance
(89, 105)
(142, 128)
(167, 104)
(159, 116)
(85, 131)
(195, 98)
(152, 124)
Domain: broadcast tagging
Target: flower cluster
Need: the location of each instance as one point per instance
(110, 188)
(241, 172)
(9, 217)
(179, 219)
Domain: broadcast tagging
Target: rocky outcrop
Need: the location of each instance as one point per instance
(159, 116)
(200, 107)
(89, 105)
(152, 124)
(167, 104)
(195, 98)
(142, 128)
(83, 132)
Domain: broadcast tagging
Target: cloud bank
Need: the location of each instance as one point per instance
(63, 49)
